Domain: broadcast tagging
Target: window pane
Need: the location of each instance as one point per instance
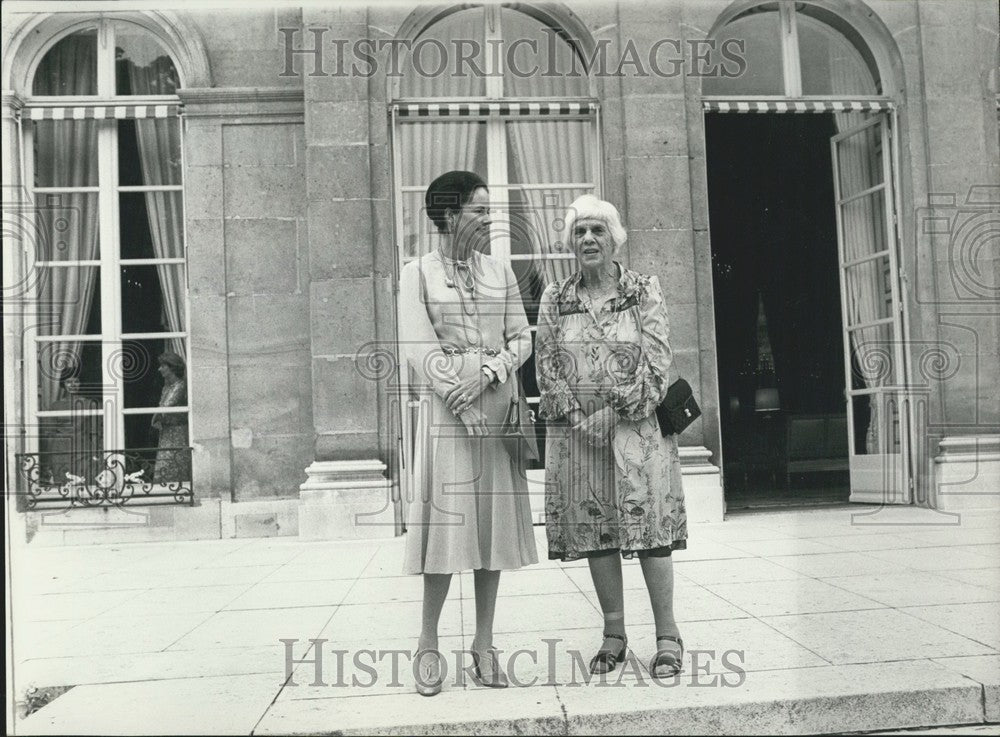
(142, 65)
(65, 227)
(71, 445)
(149, 151)
(536, 228)
(143, 378)
(558, 152)
(428, 150)
(434, 69)
(431, 149)
(764, 75)
(151, 224)
(65, 153)
(69, 67)
(153, 299)
(859, 157)
(69, 300)
(69, 372)
(537, 61)
(158, 447)
(831, 65)
(864, 227)
(869, 294)
(544, 151)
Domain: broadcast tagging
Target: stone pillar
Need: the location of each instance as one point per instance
(343, 284)
(249, 344)
(955, 358)
(666, 213)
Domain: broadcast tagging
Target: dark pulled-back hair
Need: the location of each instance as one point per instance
(450, 191)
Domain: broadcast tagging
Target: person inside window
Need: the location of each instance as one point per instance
(173, 459)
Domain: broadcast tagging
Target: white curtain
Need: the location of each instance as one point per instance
(546, 151)
(159, 156)
(549, 151)
(66, 156)
(859, 159)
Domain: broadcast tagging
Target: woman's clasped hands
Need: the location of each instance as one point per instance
(461, 400)
(596, 428)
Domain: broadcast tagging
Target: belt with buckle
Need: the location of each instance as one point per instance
(470, 349)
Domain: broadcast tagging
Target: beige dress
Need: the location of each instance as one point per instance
(472, 508)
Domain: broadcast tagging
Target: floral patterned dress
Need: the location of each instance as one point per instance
(626, 495)
(172, 465)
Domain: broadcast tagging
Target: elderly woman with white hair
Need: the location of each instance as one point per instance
(613, 481)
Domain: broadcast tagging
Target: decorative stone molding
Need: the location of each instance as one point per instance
(346, 500)
(12, 104)
(703, 497)
(34, 33)
(967, 473)
(277, 104)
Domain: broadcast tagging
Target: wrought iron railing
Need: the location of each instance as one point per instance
(106, 478)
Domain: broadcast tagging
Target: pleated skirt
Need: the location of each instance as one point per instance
(471, 507)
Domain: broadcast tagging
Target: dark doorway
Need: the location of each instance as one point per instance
(777, 309)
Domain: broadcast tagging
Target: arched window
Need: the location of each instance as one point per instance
(502, 91)
(103, 161)
(796, 50)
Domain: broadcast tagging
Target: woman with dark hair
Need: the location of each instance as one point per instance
(464, 332)
(173, 460)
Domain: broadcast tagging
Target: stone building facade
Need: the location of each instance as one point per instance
(295, 223)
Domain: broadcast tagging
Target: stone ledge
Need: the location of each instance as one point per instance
(967, 473)
(828, 699)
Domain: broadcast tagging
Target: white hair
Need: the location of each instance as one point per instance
(590, 207)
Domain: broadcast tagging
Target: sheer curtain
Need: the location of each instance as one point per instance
(556, 151)
(430, 149)
(66, 156)
(860, 160)
(159, 156)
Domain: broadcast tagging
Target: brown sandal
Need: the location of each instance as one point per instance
(605, 661)
(672, 664)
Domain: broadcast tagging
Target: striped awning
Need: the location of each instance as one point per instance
(796, 106)
(100, 112)
(481, 109)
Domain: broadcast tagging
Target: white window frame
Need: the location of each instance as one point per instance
(109, 261)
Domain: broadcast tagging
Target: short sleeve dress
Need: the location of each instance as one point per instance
(628, 494)
(473, 511)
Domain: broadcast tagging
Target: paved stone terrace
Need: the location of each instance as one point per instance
(850, 619)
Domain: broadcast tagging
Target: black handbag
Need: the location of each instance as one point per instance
(678, 409)
(518, 430)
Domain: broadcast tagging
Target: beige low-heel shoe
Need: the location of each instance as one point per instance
(427, 671)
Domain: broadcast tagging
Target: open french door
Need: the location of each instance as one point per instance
(873, 316)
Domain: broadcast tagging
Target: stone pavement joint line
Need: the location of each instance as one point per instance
(813, 621)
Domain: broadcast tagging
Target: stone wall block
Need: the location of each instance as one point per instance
(658, 191)
(342, 316)
(262, 255)
(344, 400)
(341, 239)
(260, 144)
(269, 330)
(271, 400)
(206, 256)
(338, 172)
(265, 191)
